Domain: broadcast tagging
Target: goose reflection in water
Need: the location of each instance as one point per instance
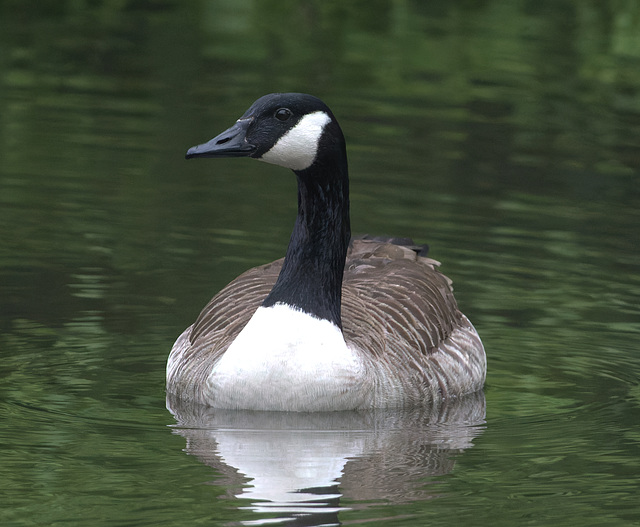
(298, 468)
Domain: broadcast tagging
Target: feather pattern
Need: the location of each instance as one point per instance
(399, 316)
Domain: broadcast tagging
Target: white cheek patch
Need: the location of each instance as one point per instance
(297, 148)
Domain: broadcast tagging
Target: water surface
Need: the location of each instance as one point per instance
(504, 134)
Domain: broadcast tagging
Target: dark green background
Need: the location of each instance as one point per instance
(506, 134)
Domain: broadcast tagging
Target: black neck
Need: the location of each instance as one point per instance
(311, 277)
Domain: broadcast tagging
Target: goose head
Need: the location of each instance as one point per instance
(292, 130)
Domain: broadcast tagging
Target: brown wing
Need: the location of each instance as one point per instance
(398, 309)
(219, 323)
(392, 298)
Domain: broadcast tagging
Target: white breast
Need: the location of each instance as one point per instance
(285, 359)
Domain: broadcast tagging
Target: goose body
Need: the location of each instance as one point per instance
(337, 324)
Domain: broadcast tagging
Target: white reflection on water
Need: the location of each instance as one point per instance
(300, 466)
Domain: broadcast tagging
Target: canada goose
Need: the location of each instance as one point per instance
(334, 325)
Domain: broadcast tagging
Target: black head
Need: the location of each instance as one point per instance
(286, 129)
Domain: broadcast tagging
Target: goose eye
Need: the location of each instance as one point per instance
(283, 114)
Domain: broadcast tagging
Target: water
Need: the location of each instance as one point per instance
(504, 134)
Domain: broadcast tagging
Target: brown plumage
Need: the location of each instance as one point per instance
(398, 310)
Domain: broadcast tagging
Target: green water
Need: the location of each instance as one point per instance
(505, 134)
